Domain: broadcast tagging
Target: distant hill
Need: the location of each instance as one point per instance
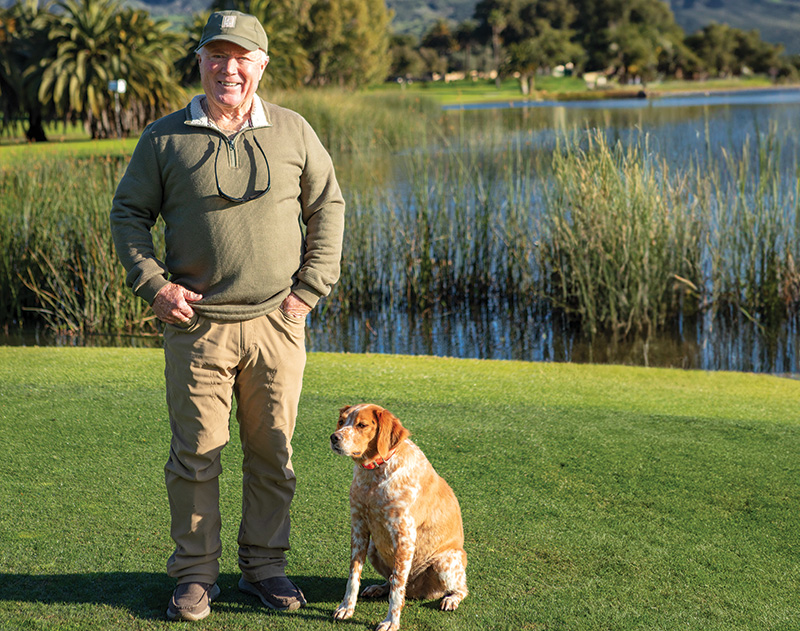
(416, 16)
(778, 21)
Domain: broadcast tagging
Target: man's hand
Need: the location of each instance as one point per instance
(172, 304)
(295, 307)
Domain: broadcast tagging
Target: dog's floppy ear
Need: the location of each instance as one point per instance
(390, 432)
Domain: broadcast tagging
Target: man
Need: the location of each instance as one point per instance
(253, 224)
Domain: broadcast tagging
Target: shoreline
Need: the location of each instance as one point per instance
(544, 99)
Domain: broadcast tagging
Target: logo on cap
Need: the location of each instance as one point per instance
(228, 21)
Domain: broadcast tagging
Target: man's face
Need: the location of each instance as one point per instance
(230, 73)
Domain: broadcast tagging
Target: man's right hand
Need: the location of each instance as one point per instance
(171, 304)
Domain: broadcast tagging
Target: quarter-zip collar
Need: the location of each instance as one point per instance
(196, 115)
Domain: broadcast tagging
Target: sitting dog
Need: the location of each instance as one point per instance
(405, 518)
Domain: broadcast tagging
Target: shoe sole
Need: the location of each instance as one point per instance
(247, 588)
(188, 616)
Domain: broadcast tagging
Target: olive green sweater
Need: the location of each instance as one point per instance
(244, 258)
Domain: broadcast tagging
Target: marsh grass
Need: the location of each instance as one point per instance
(442, 212)
(632, 243)
(58, 264)
(753, 225)
(348, 123)
(620, 229)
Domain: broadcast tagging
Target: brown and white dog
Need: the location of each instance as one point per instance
(405, 518)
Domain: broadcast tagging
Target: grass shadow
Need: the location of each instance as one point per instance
(145, 594)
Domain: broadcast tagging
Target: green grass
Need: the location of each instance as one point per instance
(556, 88)
(593, 497)
(481, 91)
(21, 153)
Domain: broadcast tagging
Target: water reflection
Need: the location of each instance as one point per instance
(503, 331)
(510, 332)
(767, 96)
(680, 129)
(686, 132)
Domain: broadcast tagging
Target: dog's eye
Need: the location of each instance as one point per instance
(361, 425)
(340, 423)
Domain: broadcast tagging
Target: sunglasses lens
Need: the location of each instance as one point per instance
(256, 168)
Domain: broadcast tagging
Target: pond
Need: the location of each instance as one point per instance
(683, 130)
(507, 153)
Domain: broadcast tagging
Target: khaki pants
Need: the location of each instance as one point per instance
(261, 362)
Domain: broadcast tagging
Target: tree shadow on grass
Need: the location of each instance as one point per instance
(146, 594)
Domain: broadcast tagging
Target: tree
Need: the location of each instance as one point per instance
(96, 42)
(758, 55)
(517, 20)
(284, 22)
(406, 61)
(507, 22)
(466, 38)
(23, 43)
(437, 44)
(186, 65)
(715, 45)
(146, 53)
(440, 38)
(627, 35)
(498, 21)
(548, 48)
(724, 50)
(348, 42)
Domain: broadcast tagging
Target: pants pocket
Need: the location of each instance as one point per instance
(187, 327)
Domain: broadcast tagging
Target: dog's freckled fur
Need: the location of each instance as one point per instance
(405, 518)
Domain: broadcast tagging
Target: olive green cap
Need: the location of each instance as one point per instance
(239, 28)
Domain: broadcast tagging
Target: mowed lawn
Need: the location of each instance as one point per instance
(593, 497)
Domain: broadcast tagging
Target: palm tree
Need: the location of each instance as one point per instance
(186, 65)
(146, 54)
(96, 42)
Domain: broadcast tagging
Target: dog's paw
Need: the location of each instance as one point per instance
(450, 603)
(375, 591)
(343, 612)
(388, 625)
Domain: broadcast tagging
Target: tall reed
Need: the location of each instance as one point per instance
(619, 230)
(58, 265)
(455, 228)
(456, 215)
(752, 226)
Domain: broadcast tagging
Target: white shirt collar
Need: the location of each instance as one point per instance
(199, 118)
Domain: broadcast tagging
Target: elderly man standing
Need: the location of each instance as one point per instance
(254, 220)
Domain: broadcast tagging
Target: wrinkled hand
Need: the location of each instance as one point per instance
(295, 307)
(172, 304)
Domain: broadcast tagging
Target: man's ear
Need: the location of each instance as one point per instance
(390, 432)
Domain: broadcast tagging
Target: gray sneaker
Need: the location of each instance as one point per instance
(277, 593)
(192, 601)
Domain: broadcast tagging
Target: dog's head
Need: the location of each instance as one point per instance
(366, 432)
